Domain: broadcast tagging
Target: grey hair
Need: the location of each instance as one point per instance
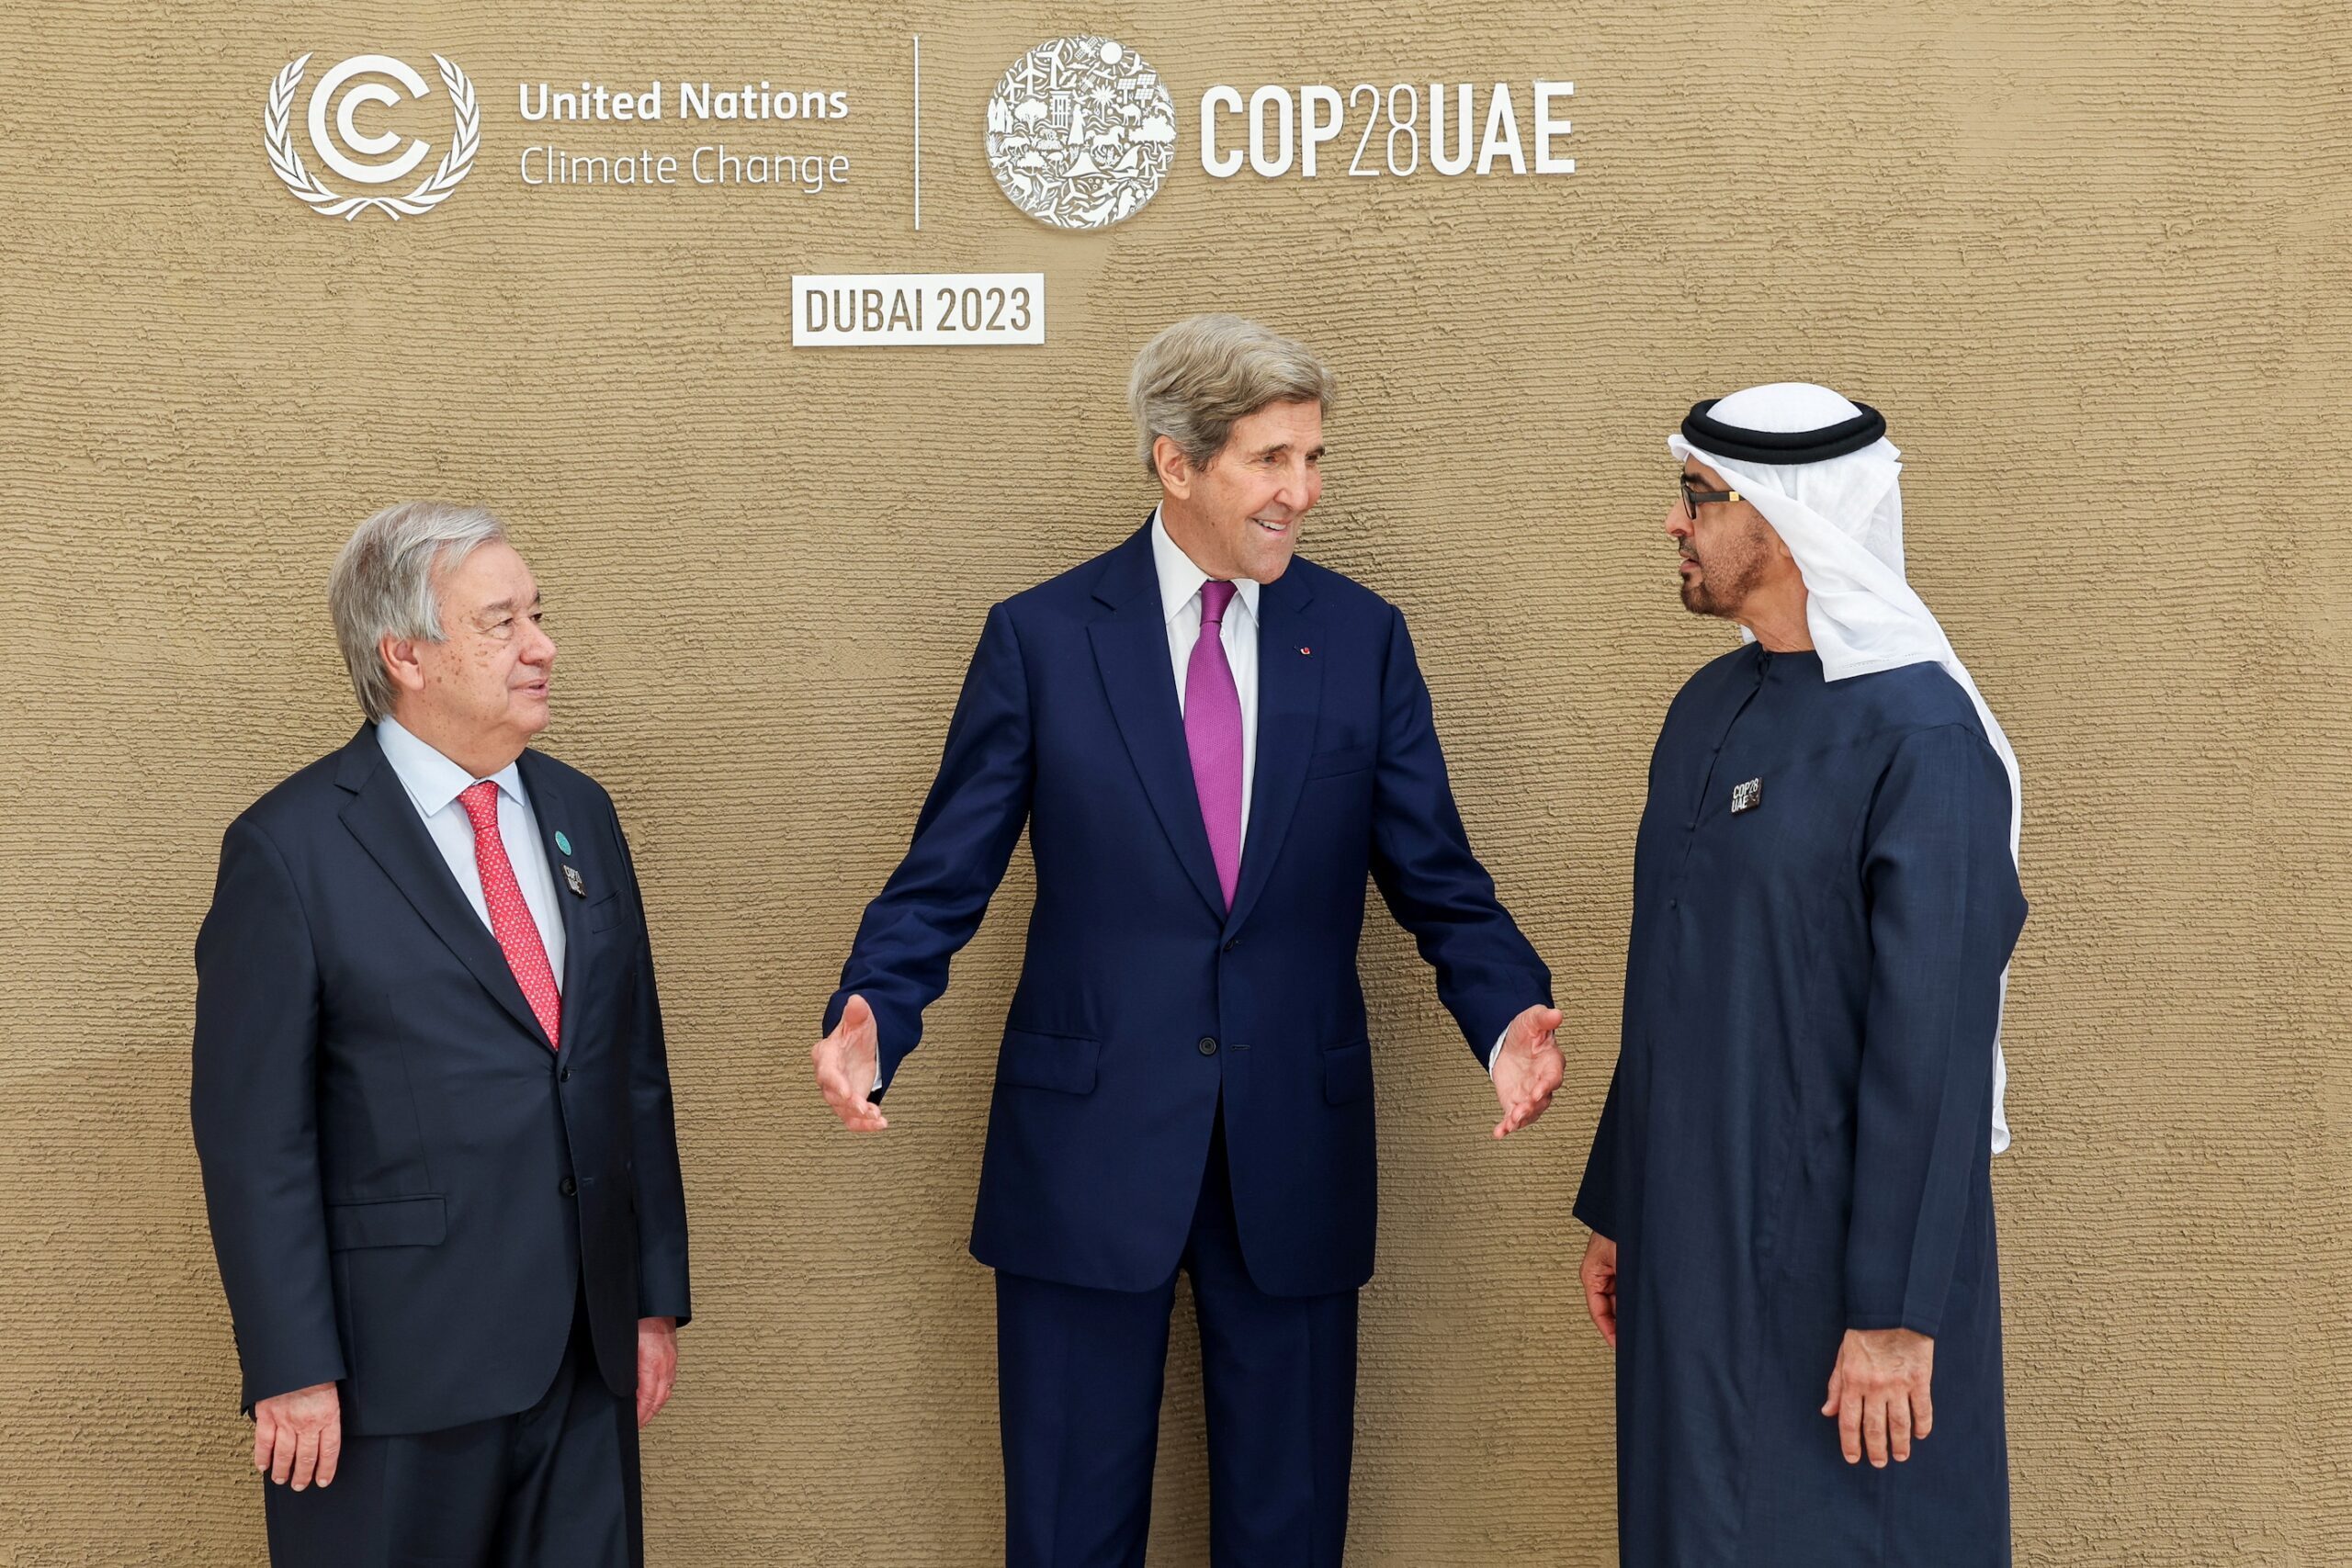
(1193, 380)
(383, 584)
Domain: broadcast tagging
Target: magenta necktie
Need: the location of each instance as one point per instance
(1213, 735)
(509, 918)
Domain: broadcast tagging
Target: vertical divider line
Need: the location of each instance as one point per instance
(918, 132)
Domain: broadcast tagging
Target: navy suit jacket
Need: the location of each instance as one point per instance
(409, 1190)
(1141, 999)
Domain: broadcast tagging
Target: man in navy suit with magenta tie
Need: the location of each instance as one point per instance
(432, 1099)
(1211, 744)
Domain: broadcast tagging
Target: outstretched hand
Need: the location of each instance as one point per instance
(1527, 1068)
(847, 1061)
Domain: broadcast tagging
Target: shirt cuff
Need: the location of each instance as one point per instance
(1495, 1049)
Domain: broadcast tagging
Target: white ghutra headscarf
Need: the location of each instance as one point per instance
(1821, 470)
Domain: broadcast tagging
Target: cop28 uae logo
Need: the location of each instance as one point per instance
(1081, 132)
(336, 145)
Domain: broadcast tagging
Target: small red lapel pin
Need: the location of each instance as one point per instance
(1308, 651)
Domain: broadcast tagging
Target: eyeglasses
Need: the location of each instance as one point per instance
(1693, 498)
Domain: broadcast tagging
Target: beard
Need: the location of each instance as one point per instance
(1726, 577)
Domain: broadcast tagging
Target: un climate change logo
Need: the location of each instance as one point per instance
(1081, 132)
(285, 158)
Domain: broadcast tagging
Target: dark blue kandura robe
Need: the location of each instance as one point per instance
(1797, 1138)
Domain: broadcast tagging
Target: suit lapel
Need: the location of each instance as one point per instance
(384, 819)
(1290, 696)
(552, 806)
(1131, 651)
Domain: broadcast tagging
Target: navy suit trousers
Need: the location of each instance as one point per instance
(1080, 1374)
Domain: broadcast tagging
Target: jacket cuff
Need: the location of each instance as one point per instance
(1595, 1214)
(271, 1378)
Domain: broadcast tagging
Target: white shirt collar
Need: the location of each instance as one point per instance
(1179, 580)
(432, 779)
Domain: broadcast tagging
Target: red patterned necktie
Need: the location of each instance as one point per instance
(509, 918)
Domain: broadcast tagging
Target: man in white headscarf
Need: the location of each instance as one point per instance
(1790, 1188)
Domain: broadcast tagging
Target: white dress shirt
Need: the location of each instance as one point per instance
(434, 783)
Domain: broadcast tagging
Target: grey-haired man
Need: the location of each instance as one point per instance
(432, 1102)
(1212, 744)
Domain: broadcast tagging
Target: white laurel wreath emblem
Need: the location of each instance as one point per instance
(277, 137)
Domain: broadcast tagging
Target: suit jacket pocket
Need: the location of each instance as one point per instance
(1331, 764)
(1347, 1072)
(605, 912)
(1063, 1062)
(386, 1222)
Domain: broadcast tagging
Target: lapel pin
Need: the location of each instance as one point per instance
(571, 877)
(561, 843)
(1746, 797)
(1307, 650)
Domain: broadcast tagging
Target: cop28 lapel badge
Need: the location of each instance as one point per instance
(333, 99)
(1746, 797)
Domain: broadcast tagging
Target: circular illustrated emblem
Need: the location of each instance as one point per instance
(1081, 132)
(332, 99)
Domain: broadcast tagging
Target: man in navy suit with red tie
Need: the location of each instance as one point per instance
(432, 1100)
(1211, 744)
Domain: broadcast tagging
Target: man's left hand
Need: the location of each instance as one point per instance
(1878, 1392)
(1527, 1068)
(657, 1365)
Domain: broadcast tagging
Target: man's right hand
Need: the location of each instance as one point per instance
(1598, 1274)
(847, 1062)
(298, 1436)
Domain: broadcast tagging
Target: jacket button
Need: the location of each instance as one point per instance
(1208, 1045)
(563, 1074)
(567, 1187)
(1234, 944)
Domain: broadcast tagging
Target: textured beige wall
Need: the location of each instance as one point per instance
(2092, 259)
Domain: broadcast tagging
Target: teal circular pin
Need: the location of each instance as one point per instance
(562, 843)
